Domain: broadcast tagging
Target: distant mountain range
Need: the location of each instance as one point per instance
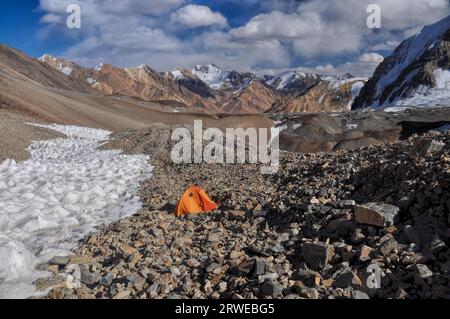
(217, 90)
(416, 74)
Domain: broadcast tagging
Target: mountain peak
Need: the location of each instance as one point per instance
(293, 80)
(413, 75)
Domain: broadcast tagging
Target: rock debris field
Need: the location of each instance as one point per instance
(369, 223)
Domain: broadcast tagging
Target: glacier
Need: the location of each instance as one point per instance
(57, 197)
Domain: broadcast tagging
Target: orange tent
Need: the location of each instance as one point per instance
(194, 201)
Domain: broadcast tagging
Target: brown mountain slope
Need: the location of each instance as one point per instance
(20, 65)
(188, 90)
(57, 105)
(328, 95)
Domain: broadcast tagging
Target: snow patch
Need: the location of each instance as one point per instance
(442, 79)
(92, 81)
(177, 74)
(66, 70)
(57, 197)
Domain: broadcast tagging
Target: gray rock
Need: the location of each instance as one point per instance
(376, 214)
(260, 268)
(429, 147)
(317, 255)
(87, 277)
(269, 288)
(60, 260)
(107, 279)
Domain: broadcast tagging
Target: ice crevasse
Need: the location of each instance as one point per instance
(49, 202)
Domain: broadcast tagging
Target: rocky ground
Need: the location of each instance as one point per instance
(369, 223)
(16, 135)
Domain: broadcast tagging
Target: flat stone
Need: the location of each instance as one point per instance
(60, 260)
(77, 260)
(376, 214)
(317, 255)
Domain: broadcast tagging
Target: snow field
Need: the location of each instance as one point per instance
(57, 197)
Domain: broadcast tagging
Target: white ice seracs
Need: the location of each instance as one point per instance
(58, 196)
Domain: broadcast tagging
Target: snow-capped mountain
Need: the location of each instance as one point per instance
(211, 74)
(218, 79)
(416, 74)
(293, 80)
(328, 94)
(214, 89)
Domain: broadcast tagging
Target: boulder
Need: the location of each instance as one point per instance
(376, 214)
(317, 255)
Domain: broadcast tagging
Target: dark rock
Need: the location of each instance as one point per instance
(269, 288)
(308, 277)
(246, 267)
(347, 279)
(107, 279)
(317, 255)
(260, 268)
(376, 214)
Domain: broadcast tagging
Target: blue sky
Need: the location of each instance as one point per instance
(263, 36)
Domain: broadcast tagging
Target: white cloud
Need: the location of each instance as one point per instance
(89, 7)
(52, 18)
(194, 16)
(279, 25)
(371, 58)
(289, 33)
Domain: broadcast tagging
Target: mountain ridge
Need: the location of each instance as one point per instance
(416, 74)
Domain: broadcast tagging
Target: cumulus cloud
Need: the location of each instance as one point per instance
(323, 27)
(89, 7)
(194, 16)
(282, 34)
